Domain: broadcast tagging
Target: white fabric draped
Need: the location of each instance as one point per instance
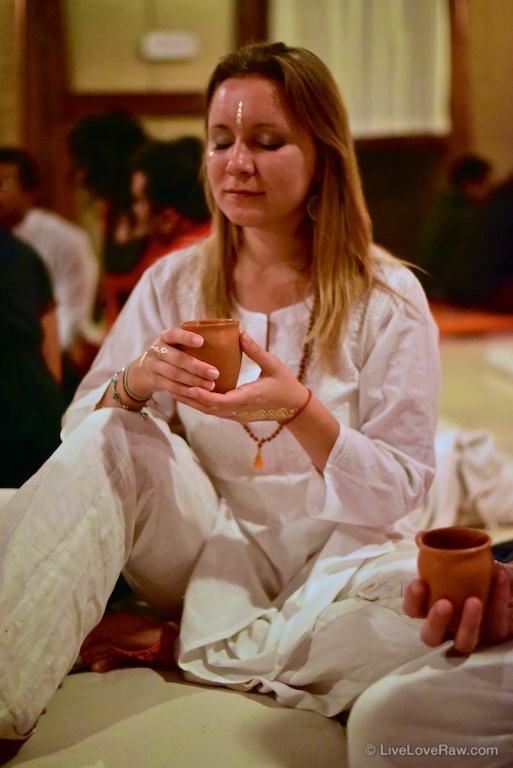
(391, 58)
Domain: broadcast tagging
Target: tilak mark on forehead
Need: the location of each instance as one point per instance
(238, 116)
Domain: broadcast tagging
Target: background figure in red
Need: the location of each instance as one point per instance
(169, 211)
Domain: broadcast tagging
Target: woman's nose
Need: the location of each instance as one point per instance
(241, 159)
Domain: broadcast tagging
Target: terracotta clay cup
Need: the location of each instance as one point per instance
(456, 563)
(221, 348)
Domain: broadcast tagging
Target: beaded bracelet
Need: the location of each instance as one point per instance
(129, 392)
(115, 396)
(299, 412)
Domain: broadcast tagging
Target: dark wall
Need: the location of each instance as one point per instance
(401, 180)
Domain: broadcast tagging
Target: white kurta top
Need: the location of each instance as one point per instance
(288, 539)
(68, 254)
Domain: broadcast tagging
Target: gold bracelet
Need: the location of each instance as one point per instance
(143, 413)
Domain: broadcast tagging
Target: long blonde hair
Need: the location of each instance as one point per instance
(341, 267)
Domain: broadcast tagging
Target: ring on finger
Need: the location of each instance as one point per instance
(153, 351)
(159, 352)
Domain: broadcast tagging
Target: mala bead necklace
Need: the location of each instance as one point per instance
(303, 363)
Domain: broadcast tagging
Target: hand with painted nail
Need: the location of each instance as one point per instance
(276, 394)
(161, 367)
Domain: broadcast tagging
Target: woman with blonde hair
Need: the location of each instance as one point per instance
(265, 539)
(341, 267)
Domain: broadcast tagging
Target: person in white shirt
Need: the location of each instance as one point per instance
(65, 247)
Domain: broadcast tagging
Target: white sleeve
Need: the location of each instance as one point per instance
(137, 326)
(382, 467)
(75, 283)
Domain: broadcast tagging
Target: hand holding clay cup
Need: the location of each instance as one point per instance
(456, 563)
(221, 348)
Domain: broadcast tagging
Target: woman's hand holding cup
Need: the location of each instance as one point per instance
(164, 366)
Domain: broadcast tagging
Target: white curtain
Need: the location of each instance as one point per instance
(391, 58)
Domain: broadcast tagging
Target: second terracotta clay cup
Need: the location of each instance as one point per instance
(221, 348)
(456, 563)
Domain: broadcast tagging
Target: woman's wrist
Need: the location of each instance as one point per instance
(118, 399)
(316, 429)
(298, 411)
(133, 396)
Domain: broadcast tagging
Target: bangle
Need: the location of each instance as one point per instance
(298, 413)
(115, 396)
(129, 392)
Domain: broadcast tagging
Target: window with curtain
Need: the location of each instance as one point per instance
(391, 58)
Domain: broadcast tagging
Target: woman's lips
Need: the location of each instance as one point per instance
(242, 193)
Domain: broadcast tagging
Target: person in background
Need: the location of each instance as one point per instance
(445, 229)
(66, 250)
(31, 400)
(169, 209)
(486, 260)
(266, 539)
(101, 147)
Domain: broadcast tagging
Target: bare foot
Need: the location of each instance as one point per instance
(123, 639)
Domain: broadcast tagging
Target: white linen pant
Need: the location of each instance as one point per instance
(108, 497)
(123, 493)
(443, 709)
(126, 493)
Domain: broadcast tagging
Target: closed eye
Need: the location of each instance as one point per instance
(270, 147)
(223, 145)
